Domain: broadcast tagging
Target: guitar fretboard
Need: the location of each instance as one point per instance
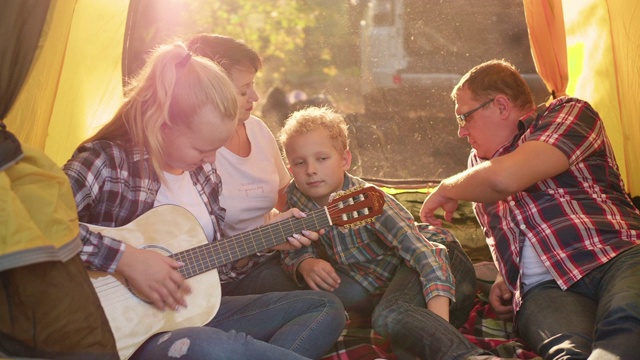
(210, 256)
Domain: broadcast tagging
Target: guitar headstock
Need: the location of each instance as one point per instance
(356, 206)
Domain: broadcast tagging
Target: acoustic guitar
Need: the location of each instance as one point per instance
(175, 232)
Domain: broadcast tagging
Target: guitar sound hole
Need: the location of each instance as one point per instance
(157, 248)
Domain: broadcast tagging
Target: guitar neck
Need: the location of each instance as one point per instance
(210, 256)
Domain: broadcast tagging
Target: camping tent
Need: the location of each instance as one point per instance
(585, 48)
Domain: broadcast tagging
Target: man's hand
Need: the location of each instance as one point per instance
(500, 299)
(296, 241)
(154, 278)
(319, 274)
(432, 203)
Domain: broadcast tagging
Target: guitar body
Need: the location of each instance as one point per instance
(167, 229)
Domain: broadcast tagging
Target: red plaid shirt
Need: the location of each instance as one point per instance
(577, 220)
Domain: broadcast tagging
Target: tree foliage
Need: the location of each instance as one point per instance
(298, 40)
(272, 27)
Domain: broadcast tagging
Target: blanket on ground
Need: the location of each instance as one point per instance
(482, 328)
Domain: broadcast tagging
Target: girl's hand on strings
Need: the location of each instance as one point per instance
(295, 241)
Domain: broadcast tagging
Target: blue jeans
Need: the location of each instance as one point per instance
(268, 276)
(598, 317)
(283, 325)
(401, 314)
(403, 318)
(358, 300)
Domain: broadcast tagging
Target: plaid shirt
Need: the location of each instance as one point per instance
(372, 253)
(114, 186)
(577, 220)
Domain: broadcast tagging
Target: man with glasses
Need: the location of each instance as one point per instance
(462, 119)
(549, 196)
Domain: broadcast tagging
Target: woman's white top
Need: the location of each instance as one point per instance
(250, 184)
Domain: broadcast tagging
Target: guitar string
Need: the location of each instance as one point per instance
(234, 253)
(230, 247)
(236, 247)
(111, 292)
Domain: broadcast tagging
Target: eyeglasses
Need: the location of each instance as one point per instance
(462, 119)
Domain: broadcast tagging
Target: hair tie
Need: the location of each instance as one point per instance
(183, 62)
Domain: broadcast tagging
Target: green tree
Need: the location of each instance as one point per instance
(274, 28)
(297, 39)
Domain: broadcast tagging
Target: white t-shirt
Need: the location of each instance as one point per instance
(533, 270)
(250, 184)
(179, 190)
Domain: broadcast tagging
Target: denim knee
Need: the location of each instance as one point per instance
(385, 317)
(466, 288)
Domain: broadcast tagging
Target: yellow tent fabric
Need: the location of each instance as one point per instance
(38, 216)
(603, 52)
(75, 84)
(548, 43)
